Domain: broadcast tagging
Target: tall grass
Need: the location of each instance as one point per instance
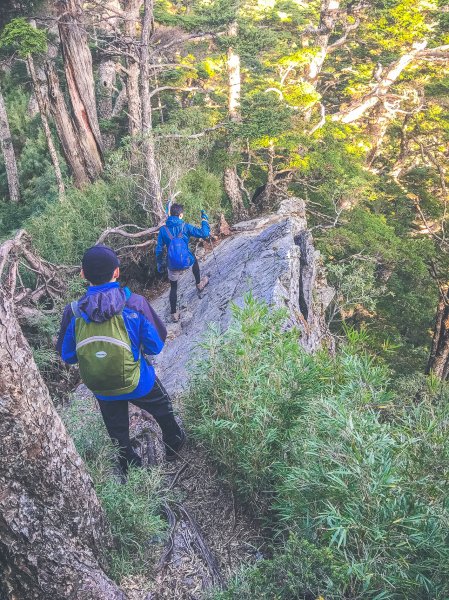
(133, 508)
(326, 452)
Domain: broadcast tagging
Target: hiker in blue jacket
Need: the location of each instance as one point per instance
(107, 332)
(175, 235)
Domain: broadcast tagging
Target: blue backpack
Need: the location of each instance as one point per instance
(178, 255)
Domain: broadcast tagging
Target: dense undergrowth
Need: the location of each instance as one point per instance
(133, 508)
(349, 472)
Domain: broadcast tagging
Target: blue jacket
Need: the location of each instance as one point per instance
(174, 224)
(146, 331)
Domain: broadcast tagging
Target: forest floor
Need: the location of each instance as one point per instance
(230, 535)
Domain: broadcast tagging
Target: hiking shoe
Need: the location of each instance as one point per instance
(202, 284)
(175, 316)
(172, 452)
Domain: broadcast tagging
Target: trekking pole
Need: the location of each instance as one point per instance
(213, 252)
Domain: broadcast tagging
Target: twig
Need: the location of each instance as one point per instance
(177, 476)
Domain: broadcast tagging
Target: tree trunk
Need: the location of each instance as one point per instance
(107, 23)
(377, 130)
(328, 18)
(231, 180)
(8, 153)
(356, 110)
(152, 184)
(132, 8)
(80, 83)
(439, 354)
(43, 113)
(120, 102)
(52, 528)
(107, 76)
(65, 128)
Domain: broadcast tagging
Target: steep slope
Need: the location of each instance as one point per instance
(273, 258)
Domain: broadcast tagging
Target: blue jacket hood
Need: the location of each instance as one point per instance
(102, 302)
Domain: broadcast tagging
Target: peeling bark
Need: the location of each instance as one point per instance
(65, 128)
(9, 157)
(80, 82)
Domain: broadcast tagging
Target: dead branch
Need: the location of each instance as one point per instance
(163, 88)
(127, 234)
(191, 136)
(49, 280)
(344, 37)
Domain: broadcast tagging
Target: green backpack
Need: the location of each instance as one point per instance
(105, 357)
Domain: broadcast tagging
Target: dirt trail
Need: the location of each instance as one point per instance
(231, 536)
(210, 535)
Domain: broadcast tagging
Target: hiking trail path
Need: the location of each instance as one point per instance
(211, 535)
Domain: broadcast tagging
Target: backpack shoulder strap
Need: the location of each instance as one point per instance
(168, 232)
(75, 309)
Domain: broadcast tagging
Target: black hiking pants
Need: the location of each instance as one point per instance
(174, 286)
(115, 416)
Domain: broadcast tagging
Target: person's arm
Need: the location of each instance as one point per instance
(193, 231)
(68, 351)
(160, 245)
(160, 262)
(149, 339)
(65, 321)
(141, 305)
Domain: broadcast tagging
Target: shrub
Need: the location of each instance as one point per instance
(133, 509)
(65, 229)
(200, 189)
(324, 448)
(245, 397)
(300, 571)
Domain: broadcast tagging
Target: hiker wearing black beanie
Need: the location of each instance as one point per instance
(108, 332)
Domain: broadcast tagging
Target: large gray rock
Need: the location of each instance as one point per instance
(273, 258)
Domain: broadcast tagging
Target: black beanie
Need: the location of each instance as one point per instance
(99, 264)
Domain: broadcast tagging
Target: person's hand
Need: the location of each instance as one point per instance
(160, 267)
(204, 215)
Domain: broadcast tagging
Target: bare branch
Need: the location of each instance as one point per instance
(122, 232)
(321, 121)
(191, 136)
(356, 110)
(163, 88)
(344, 37)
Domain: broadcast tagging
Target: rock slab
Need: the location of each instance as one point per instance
(274, 259)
